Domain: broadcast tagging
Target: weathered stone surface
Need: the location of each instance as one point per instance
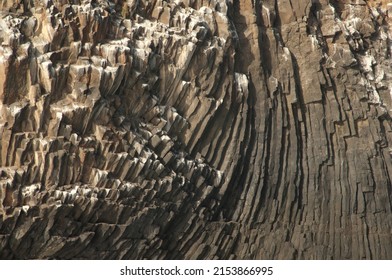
(196, 129)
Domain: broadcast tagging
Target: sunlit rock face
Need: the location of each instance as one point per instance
(220, 129)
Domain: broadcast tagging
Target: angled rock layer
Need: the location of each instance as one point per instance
(196, 129)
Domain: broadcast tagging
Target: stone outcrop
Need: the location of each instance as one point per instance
(220, 129)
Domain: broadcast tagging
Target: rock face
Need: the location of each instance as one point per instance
(220, 129)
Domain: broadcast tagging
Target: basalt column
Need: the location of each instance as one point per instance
(195, 129)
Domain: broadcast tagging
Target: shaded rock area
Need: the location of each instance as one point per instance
(195, 129)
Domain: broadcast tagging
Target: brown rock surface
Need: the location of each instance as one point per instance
(196, 129)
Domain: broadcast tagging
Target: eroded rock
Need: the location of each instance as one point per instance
(195, 129)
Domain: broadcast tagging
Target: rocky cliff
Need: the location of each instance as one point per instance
(195, 129)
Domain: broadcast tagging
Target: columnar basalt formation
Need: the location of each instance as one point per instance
(220, 129)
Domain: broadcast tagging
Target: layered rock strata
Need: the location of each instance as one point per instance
(195, 129)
